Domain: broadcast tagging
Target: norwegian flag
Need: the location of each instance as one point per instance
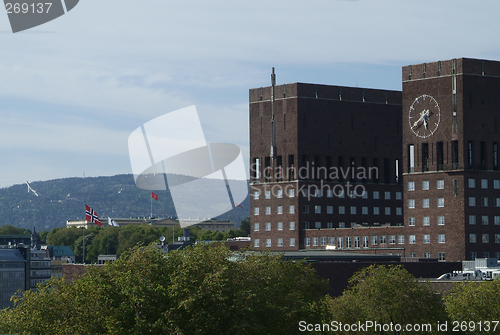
(154, 196)
(91, 216)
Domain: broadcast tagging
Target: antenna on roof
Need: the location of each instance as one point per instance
(273, 140)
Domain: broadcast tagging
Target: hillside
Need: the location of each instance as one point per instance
(63, 199)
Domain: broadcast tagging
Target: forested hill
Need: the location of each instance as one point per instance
(64, 199)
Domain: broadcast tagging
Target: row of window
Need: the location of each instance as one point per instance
(473, 255)
(329, 210)
(426, 221)
(485, 238)
(484, 183)
(425, 203)
(441, 255)
(279, 242)
(317, 193)
(426, 185)
(484, 202)
(484, 220)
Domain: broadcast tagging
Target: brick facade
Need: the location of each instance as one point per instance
(434, 147)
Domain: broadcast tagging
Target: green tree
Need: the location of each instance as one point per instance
(198, 290)
(245, 226)
(388, 294)
(474, 301)
(11, 230)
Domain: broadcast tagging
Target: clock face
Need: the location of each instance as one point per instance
(424, 116)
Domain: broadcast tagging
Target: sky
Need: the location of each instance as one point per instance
(73, 90)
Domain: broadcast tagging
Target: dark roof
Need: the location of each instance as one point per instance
(11, 255)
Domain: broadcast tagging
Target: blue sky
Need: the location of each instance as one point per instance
(72, 90)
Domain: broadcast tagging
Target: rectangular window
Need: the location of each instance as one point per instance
(256, 227)
(495, 156)
(317, 209)
(387, 195)
(388, 211)
(484, 183)
(484, 220)
(411, 221)
(484, 202)
(306, 224)
(439, 155)
(383, 239)
(329, 225)
(365, 241)
(472, 201)
(441, 238)
(364, 210)
(472, 183)
(425, 185)
(348, 242)
(376, 210)
(411, 186)
(322, 241)
(427, 255)
(329, 193)
(329, 209)
(279, 194)
(280, 243)
(291, 209)
(486, 238)
(291, 193)
(315, 241)
(425, 203)
(440, 202)
(376, 195)
(411, 239)
(365, 195)
(497, 238)
(472, 256)
(426, 221)
(472, 219)
(268, 226)
(268, 194)
(401, 239)
(291, 225)
(497, 220)
(411, 203)
(399, 210)
(256, 211)
(340, 242)
(341, 210)
(292, 241)
(440, 220)
(256, 195)
(305, 209)
(356, 241)
(341, 224)
(317, 225)
(279, 226)
(399, 195)
(472, 238)
(440, 184)
(268, 243)
(427, 238)
(256, 243)
(496, 184)
(425, 157)
(441, 256)
(331, 241)
(392, 239)
(411, 155)
(307, 241)
(279, 210)
(497, 202)
(374, 240)
(469, 154)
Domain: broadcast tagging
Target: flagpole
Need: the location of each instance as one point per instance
(151, 207)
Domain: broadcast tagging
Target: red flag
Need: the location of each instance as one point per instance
(154, 196)
(91, 216)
